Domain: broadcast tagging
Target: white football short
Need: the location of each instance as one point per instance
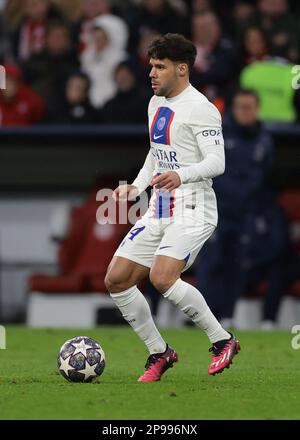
(181, 239)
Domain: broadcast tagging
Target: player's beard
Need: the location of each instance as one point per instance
(160, 92)
(163, 91)
(167, 90)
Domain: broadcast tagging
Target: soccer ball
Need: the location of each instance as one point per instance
(81, 359)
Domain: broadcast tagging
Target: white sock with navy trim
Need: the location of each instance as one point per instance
(136, 311)
(193, 304)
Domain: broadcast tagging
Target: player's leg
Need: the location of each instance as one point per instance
(121, 281)
(123, 273)
(174, 256)
(165, 276)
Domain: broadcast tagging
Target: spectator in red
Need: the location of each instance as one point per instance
(19, 105)
(29, 38)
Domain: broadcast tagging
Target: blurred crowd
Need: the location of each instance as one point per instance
(85, 61)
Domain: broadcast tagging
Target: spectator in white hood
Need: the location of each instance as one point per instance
(90, 10)
(105, 51)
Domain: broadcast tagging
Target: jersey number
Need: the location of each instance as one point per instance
(135, 232)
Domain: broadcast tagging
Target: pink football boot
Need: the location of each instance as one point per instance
(157, 364)
(223, 353)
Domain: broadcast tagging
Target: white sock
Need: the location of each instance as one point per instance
(192, 303)
(136, 311)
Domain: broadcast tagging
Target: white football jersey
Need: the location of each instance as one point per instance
(186, 137)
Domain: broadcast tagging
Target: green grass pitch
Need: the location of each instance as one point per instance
(262, 383)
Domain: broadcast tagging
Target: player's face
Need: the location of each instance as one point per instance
(165, 77)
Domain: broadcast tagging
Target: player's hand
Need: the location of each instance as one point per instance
(166, 181)
(124, 193)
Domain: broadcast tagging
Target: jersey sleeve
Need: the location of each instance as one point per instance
(206, 125)
(144, 177)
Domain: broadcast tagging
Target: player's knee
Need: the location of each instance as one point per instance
(115, 282)
(161, 280)
(109, 281)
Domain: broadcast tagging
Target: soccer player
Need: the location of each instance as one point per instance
(187, 151)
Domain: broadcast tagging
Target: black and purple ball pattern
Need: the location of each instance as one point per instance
(81, 359)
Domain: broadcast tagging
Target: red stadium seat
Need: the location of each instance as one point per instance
(290, 203)
(259, 290)
(289, 200)
(84, 255)
(59, 283)
(294, 289)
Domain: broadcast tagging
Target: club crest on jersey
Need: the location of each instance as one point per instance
(161, 124)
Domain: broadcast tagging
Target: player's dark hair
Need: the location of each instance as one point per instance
(175, 47)
(246, 92)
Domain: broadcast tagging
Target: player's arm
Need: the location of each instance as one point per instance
(212, 165)
(142, 181)
(207, 129)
